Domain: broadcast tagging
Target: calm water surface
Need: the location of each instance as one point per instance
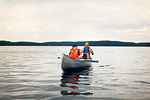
(35, 73)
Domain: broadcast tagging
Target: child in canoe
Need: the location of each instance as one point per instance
(75, 53)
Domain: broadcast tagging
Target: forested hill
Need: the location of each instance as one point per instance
(70, 43)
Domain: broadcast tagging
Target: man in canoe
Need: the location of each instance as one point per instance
(75, 53)
(86, 51)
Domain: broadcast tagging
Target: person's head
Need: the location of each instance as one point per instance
(86, 44)
(74, 47)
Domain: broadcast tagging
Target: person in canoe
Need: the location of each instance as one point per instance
(86, 51)
(75, 53)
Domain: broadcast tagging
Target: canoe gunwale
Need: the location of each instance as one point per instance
(73, 59)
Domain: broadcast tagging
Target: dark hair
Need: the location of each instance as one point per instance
(74, 45)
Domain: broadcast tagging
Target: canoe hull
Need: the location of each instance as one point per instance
(71, 64)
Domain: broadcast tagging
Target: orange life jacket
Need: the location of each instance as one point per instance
(74, 53)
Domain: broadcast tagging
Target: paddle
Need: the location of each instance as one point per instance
(85, 60)
(89, 60)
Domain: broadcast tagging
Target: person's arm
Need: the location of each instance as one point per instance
(91, 51)
(82, 50)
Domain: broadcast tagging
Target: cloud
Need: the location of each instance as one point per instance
(46, 20)
(144, 31)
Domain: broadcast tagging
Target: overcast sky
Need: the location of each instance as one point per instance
(75, 20)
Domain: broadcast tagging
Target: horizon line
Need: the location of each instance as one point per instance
(75, 41)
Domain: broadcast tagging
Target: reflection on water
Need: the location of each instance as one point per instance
(76, 83)
(34, 73)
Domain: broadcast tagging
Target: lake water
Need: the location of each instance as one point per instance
(34, 73)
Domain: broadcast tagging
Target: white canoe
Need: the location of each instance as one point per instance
(71, 64)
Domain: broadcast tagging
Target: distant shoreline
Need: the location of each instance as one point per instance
(79, 43)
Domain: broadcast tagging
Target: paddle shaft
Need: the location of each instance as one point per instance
(89, 60)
